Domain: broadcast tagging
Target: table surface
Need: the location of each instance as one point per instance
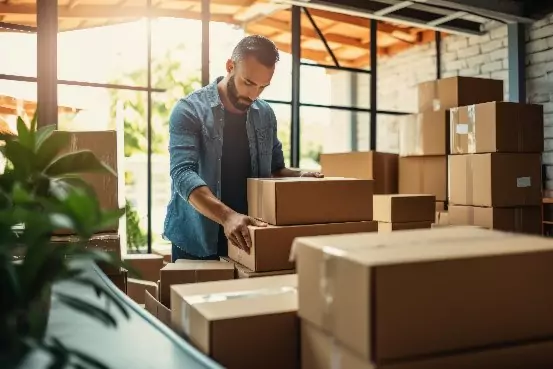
(141, 342)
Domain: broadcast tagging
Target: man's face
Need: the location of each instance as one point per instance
(248, 78)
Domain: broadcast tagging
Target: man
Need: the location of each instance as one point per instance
(218, 137)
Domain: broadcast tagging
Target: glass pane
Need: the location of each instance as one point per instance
(16, 99)
(283, 113)
(18, 53)
(223, 39)
(112, 47)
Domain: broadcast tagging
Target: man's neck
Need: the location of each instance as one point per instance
(223, 94)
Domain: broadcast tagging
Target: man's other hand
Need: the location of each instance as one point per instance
(312, 174)
(236, 229)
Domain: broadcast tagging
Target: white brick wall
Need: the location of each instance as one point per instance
(477, 56)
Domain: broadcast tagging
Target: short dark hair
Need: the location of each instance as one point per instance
(260, 47)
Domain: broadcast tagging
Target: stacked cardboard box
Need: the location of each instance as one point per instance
(425, 299)
(424, 136)
(401, 212)
(295, 207)
(495, 166)
(244, 323)
(382, 168)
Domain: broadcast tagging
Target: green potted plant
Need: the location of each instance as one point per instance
(41, 191)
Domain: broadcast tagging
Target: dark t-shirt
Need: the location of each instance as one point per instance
(235, 169)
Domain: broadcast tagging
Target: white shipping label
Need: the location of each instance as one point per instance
(524, 182)
(462, 129)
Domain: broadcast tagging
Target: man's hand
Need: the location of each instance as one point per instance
(311, 174)
(236, 229)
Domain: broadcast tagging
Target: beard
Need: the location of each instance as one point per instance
(239, 102)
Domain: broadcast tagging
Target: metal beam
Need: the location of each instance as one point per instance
(373, 86)
(17, 27)
(149, 124)
(321, 37)
(517, 62)
(295, 106)
(354, 122)
(337, 68)
(438, 37)
(507, 10)
(47, 62)
(206, 17)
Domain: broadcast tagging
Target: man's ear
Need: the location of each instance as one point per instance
(229, 65)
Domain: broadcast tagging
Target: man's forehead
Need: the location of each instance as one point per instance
(253, 71)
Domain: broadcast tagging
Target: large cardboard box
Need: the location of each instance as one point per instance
(245, 323)
(107, 148)
(189, 271)
(452, 92)
(378, 166)
(271, 245)
(392, 296)
(293, 201)
(384, 227)
(424, 175)
(156, 308)
(136, 289)
(401, 208)
(146, 265)
(496, 127)
(320, 351)
(526, 219)
(424, 134)
(495, 180)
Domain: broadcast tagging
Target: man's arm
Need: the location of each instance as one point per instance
(184, 146)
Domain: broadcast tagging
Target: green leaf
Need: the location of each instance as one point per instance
(19, 195)
(62, 187)
(52, 144)
(34, 121)
(88, 309)
(21, 157)
(89, 359)
(43, 134)
(25, 136)
(109, 218)
(77, 162)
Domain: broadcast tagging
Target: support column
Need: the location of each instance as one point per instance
(374, 78)
(149, 121)
(354, 122)
(205, 41)
(47, 62)
(517, 62)
(438, 37)
(295, 114)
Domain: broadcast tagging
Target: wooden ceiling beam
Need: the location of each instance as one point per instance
(312, 34)
(107, 12)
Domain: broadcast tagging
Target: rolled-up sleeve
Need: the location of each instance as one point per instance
(184, 145)
(277, 160)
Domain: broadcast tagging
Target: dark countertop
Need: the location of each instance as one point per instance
(141, 342)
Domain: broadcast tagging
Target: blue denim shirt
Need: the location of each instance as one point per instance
(195, 149)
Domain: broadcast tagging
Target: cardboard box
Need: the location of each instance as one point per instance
(242, 272)
(108, 149)
(191, 272)
(440, 205)
(378, 166)
(271, 245)
(424, 175)
(107, 242)
(293, 201)
(156, 308)
(320, 351)
(452, 92)
(394, 295)
(527, 219)
(245, 323)
(495, 180)
(165, 251)
(404, 208)
(384, 227)
(119, 280)
(146, 265)
(424, 134)
(496, 127)
(136, 289)
(442, 218)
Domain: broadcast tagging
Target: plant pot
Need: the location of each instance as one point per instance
(30, 323)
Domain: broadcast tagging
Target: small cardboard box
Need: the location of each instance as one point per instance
(271, 245)
(452, 279)
(447, 93)
(136, 289)
(378, 166)
(147, 265)
(191, 272)
(294, 201)
(424, 175)
(424, 134)
(497, 127)
(495, 180)
(402, 208)
(156, 308)
(245, 323)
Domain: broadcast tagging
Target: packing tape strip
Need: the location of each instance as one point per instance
(436, 104)
(410, 135)
(471, 134)
(335, 355)
(225, 296)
